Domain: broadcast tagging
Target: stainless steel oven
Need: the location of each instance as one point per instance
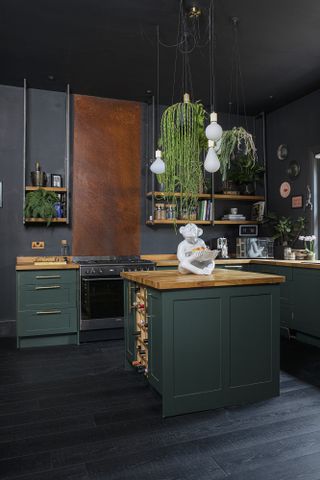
(101, 295)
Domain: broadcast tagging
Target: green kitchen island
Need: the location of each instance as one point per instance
(204, 342)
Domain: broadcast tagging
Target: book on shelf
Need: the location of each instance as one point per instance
(257, 212)
(205, 210)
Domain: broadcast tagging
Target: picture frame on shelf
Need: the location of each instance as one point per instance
(296, 201)
(56, 180)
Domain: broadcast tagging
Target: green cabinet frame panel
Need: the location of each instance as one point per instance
(47, 308)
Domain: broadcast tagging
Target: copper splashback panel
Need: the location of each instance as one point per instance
(106, 177)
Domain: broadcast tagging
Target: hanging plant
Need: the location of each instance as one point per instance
(233, 142)
(182, 141)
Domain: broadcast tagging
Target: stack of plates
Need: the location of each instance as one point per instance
(229, 216)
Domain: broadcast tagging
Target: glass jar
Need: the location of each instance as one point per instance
(158, 211)
(170, 211)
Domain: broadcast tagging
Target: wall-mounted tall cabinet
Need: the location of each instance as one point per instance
(46, 121)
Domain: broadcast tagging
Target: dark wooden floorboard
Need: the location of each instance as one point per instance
(74, 413)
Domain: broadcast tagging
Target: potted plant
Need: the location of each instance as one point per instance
(41, 204)
(182, 140)
(246, 174)
(286, 231)
(234, 143)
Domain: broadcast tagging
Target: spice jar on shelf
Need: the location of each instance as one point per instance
(159, 211)
(170, 211)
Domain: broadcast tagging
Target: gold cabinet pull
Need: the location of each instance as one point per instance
(47, 276)
(48, 312)
(48, 288)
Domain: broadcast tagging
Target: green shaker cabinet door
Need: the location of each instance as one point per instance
(306, 318)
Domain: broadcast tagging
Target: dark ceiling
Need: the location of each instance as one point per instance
(108, 48)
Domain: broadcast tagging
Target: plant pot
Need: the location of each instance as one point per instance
(230, 188)
(278, 251)
(311, 256)
(248, 188)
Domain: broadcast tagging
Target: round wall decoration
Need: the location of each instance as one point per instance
(294, 169)
(285, 189)
(282, 152)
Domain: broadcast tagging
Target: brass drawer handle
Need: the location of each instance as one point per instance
(48, 288)
(48, 312)
(47, 276)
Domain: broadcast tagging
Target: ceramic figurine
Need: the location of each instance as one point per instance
(193, 254)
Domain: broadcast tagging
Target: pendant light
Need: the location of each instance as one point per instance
(211, 163)
(158, 166)
(213, 130)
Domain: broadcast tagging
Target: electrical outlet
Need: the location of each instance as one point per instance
(37, 245)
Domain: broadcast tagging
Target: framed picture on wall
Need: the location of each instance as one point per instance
(296, 201)
(56, 180)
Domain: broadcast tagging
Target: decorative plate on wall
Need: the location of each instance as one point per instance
(282, 152)
(294, 169)
(285, 189)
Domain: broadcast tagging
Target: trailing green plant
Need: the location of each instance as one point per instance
(285, 229)
(41, 204)
(235, 141)
(182, 140)
(243, 171)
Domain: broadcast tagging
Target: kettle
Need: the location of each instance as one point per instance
(222, 245)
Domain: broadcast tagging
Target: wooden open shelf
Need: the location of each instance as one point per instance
(203, 222)
(208, 196)
(250, 198)
(30, 188)
(178, 222)
(200, 196)
(45, 220)
(236, 222)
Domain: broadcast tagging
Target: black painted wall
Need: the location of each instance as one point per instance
(46, 140)
(297, 126)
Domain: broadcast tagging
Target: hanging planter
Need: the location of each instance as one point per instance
(182, 141)
(236, 142)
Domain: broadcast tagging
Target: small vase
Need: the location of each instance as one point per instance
(248, 188)
(311, 256)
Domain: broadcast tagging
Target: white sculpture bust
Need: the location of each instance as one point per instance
(193, 254)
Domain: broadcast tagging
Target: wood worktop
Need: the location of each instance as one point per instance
(170, 260)
(172, 279)
(45, 263)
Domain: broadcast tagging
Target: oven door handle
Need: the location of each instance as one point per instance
(100, 279)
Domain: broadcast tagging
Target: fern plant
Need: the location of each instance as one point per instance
(41, 204)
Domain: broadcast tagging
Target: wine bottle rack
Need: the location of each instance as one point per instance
(141, 330)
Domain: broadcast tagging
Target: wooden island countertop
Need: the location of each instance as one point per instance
(172, 279)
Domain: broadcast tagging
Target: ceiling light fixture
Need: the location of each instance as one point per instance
(213, 130)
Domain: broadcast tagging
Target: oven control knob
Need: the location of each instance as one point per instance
(87, 271)
(100, 270)
(93, 270)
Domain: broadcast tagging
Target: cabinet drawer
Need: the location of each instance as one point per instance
(46, 277)
(32, 296)
(47, 321)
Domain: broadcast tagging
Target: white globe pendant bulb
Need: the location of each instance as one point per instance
(213, 130)
(158, 166)
(211, 163)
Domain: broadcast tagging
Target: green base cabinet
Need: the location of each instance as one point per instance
(212, 347)
(47, 308)
(286, 292)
